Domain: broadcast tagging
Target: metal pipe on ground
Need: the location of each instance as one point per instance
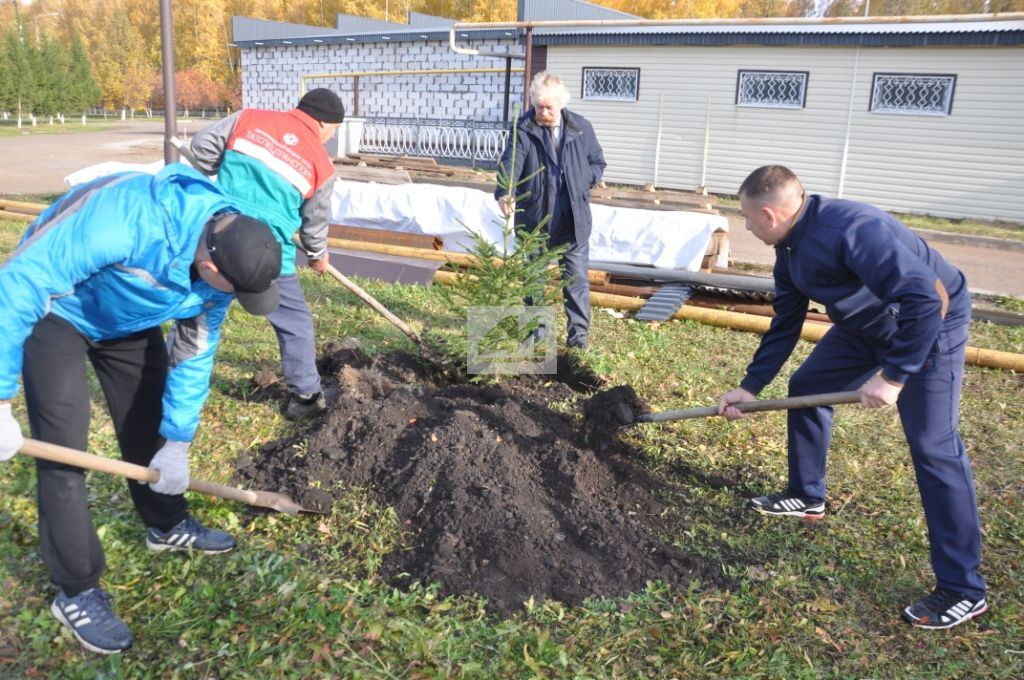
(732, 281)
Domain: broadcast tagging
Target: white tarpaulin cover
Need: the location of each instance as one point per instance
(670, 239)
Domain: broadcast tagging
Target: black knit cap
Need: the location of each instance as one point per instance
(248, 255)
(323, 105)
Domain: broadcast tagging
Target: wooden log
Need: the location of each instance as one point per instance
(22, 206)
(8, 215)
(385, 236)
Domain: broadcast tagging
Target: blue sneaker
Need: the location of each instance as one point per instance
(189, 534)
(944, 609)
(92, 620)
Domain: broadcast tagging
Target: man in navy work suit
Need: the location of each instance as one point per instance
(92, 279)
(901, 315)
(563, 143)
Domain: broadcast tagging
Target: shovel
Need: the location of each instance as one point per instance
(88, 461)
(624, 414)
(426, 351)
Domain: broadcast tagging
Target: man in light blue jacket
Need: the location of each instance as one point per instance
(93, 278)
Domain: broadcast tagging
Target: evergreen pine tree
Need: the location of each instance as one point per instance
(22, 81)
(83, 91)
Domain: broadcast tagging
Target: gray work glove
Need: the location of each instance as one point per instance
(171, 461)
(11, 439)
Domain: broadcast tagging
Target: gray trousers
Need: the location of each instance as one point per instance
(576, 293)
(293, 324)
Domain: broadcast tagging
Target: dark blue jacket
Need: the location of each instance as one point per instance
(877, 279)
(582, 166)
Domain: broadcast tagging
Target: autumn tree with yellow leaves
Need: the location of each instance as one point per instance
(122, 37)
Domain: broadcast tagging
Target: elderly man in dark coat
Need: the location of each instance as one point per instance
(562, 145)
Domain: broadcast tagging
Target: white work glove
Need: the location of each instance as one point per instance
(171, 461)
(11, 439)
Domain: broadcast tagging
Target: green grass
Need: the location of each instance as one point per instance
(302, 597)
(9, 128)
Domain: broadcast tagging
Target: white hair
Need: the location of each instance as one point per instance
(546, 81)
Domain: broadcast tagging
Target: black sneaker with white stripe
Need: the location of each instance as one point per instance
(189, 534)
(789, 505)
(91, 618)
(944, 609)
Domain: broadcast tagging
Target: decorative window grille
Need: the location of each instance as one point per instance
(613, 84)
(907, 93)
(773, 89)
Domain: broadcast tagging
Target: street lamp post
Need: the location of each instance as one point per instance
(170, 105)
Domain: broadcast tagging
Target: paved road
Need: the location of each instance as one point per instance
(39, 164)
(990, 270)
(35, 164)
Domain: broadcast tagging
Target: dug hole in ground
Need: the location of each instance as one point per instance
(498, 494)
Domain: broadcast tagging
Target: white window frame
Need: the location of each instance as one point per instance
(878, 79)
(803, 76)
(635, 72)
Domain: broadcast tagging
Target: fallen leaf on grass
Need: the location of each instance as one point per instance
(756, 573)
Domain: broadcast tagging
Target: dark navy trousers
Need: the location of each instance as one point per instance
(929, 408)
(293, 324)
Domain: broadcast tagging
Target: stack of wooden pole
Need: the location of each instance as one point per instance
(20, 210)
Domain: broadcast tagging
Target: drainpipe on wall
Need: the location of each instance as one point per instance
(527, 68)
(704, 162)
(507, 56)
(849, 124)
(657, 141)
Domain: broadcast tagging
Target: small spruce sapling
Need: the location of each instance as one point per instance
(505, 277)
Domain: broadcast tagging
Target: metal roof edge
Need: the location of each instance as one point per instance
(409, 35)
(1004, 38)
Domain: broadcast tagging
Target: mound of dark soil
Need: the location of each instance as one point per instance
(499, 493)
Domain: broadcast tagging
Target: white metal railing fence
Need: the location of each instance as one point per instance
(480, 142)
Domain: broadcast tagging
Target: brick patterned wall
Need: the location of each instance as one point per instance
(271, 78)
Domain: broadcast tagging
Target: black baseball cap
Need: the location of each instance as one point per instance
(248, 255)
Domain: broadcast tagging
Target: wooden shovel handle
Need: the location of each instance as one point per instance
(88, 461)
(356, 290)
(808, 401)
